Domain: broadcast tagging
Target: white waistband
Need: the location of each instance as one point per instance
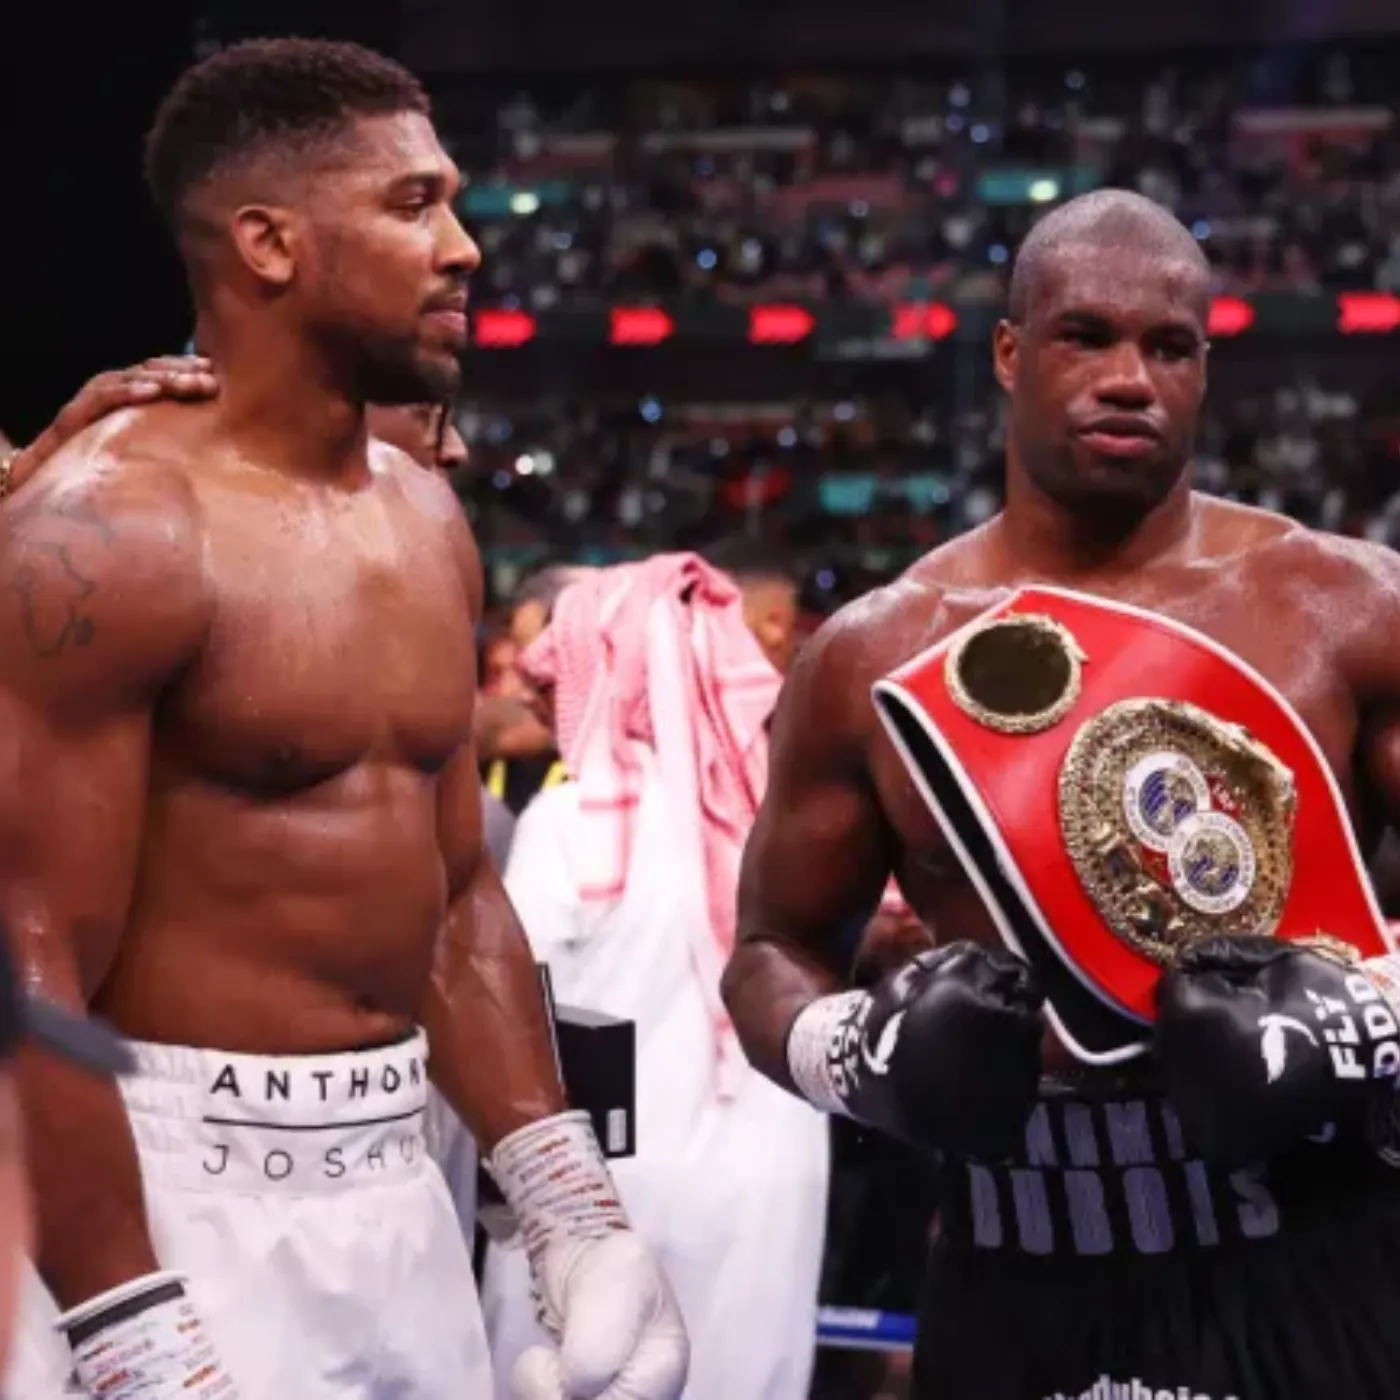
(206, 1120)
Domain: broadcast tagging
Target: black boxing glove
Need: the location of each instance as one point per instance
(1263, 1043)
(944, 1053)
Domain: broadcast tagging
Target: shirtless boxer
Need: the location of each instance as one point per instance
(239, 815)
(1097, 1256)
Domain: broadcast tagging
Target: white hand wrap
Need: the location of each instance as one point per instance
(145, 1339)
(818, 1044)
(600, 1293)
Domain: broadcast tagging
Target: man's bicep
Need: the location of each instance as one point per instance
(72, 805)
(101, 606)
(814, 866)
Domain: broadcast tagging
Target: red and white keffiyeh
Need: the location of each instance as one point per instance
(658, 653)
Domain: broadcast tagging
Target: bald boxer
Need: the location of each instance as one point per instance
(1096, 1238)
(239, 815)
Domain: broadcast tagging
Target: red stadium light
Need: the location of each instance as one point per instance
(502, 330)
(1367, 313)
(640, 325)
(1229, 316)
(913, 320)
(779, 325)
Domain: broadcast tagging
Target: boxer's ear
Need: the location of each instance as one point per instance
(1005, 349)
(265, 238)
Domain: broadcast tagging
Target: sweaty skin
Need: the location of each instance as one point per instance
(1111, 330)
(239, 803)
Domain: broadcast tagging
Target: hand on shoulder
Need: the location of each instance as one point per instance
(102, 571)
(187, 378)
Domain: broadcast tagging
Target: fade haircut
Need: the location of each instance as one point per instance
(749, 560)
(266, 98)
(1110, 217)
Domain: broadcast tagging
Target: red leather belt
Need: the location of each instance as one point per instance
(1119, 786)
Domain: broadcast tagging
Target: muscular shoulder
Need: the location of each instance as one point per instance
(829, 687)
(430, 496)
(102, 586)
(1345, 591)
(1339, 573)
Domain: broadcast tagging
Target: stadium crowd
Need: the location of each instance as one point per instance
(888, 187)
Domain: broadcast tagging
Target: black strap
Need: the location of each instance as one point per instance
(138, 1303)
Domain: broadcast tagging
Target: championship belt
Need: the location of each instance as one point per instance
(1118, 787)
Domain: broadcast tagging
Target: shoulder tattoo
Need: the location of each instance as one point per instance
(47, 576)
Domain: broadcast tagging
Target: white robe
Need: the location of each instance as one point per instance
(732, 1195)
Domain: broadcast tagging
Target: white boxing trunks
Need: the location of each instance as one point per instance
(318, 1235)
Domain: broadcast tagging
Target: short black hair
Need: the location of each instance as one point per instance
(1103, 216)
(545, 585)
(265, 96)
(747, 559)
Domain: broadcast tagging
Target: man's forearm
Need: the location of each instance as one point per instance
(765, 985)
(490, 1051)
(93, 1232)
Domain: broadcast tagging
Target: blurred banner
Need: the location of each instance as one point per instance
(446, 36)
(856, 330)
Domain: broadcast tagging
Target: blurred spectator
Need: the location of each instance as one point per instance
(768, 586)
(870, 485)
(887, 186)
(625, 879)
(427, 432)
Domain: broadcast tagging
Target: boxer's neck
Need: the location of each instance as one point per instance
(280, 404)
(1051, 540)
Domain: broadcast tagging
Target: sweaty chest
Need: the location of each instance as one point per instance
(329, 652)
(1286, 650)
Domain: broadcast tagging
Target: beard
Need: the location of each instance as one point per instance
(391, 371)
(387, 369)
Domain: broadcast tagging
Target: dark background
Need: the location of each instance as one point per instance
(88, 280)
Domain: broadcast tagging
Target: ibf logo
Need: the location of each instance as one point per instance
(1361, 1032)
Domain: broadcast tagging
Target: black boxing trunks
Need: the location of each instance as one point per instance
(1104, 1263)
(1118, 786)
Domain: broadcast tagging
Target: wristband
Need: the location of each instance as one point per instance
(823, 1040)
(144, 1338)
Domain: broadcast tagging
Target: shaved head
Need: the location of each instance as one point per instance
(1103, 353)
(1117, 220)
